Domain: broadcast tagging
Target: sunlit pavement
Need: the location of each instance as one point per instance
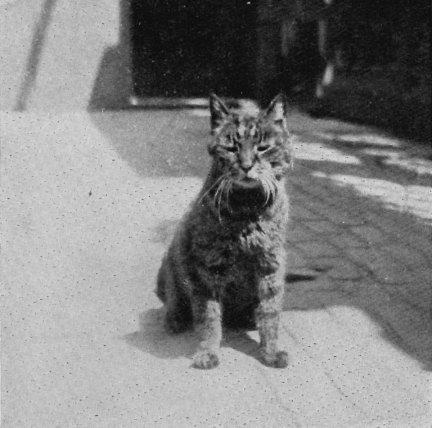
(89, 203)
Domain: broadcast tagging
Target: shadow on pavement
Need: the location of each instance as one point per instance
(112, 86)
(158, 143)
(34, 57)
(164, 232)
(378, 219)
(392, 287)
(153, 339)
(400, 324)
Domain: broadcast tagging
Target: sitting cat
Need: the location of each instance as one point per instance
(227, 258)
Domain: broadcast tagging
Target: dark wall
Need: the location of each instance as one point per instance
(184, 48)
(187, 48)
(386, 31)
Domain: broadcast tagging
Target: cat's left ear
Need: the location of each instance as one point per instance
(218, 112)
(277, 110)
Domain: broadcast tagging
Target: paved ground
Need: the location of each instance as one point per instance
(58, 55)
(90, 202)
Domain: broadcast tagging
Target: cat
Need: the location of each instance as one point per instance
(226, 263)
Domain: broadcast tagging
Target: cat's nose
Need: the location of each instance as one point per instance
(247, 167)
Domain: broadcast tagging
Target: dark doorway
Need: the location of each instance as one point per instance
(186, 49)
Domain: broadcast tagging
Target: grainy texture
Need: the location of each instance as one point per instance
(83, 342)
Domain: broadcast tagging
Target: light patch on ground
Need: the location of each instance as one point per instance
(402, 160)
(308, 150)
(416, 200)
(397, 154)
(377, 140)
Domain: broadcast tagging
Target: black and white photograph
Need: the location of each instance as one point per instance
(216, 213)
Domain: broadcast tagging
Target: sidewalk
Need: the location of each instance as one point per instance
(90, 203)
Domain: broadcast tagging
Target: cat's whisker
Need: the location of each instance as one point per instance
(212, 187)
(224, 186)
(218, 190)
(266, 188)
(273, 183)
(272, 186)
(218, 196)
(217, 181)
(229, 188)
(268, 193)
(221, 195)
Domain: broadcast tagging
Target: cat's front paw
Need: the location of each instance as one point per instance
(278, 360)
(205, 359)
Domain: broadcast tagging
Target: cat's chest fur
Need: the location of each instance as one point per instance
(255, 237)
(231, 246)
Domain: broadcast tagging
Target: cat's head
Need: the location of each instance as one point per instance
(251, 151)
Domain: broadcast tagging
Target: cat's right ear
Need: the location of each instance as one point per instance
(277, 110)
(218, 112)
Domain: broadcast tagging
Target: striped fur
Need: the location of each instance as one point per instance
(226, 262)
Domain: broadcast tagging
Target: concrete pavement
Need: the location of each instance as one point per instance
(89, 203)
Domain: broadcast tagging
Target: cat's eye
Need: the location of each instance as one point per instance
(233, 138)
(231, 149)
(263, 148)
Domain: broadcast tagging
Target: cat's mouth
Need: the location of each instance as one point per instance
(247, 182)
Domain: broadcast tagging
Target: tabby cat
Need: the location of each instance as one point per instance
(227, 258)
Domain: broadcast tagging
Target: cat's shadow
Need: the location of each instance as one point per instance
(153, 339)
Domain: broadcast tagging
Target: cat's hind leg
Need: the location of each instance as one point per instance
(178, 317)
